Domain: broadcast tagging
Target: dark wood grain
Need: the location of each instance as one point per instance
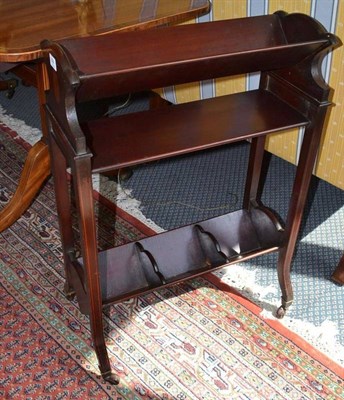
(182, 253)
(24, 24)
(113, 141)
(139, 61)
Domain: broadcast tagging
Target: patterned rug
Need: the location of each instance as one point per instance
(198, 340)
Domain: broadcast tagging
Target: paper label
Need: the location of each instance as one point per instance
(53, 62)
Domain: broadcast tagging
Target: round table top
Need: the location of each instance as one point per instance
(25, 23)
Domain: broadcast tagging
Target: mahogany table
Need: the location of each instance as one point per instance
(24, 24)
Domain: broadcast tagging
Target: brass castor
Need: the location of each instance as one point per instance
(111, 377)
(282, 309)
(280, 313)
(69, 292)
(9, 85)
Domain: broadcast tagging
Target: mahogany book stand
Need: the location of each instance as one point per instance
(286, 49)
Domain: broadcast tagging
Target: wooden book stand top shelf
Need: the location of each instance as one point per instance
(286, 49)
(133, 61)
(105, 66)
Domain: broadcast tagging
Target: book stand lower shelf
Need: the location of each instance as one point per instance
(286, 49)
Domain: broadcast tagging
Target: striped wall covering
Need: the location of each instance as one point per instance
(330, 163)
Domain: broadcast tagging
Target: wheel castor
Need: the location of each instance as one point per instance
(111, 377)
(11, 85)
(69, 292)
(280, 313)
(70, 296)
(10, 93)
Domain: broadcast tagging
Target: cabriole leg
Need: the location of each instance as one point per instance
(310, 144)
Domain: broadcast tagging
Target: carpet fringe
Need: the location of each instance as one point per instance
(115, 193)
(107, 188)
(27, 133)
(324, 337)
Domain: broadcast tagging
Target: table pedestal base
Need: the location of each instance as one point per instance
(36, 170)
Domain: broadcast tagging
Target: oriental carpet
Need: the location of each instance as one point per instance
(197, 340)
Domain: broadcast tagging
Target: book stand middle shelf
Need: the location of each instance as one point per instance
(287, 49)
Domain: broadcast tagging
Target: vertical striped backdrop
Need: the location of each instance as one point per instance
(330, 163)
